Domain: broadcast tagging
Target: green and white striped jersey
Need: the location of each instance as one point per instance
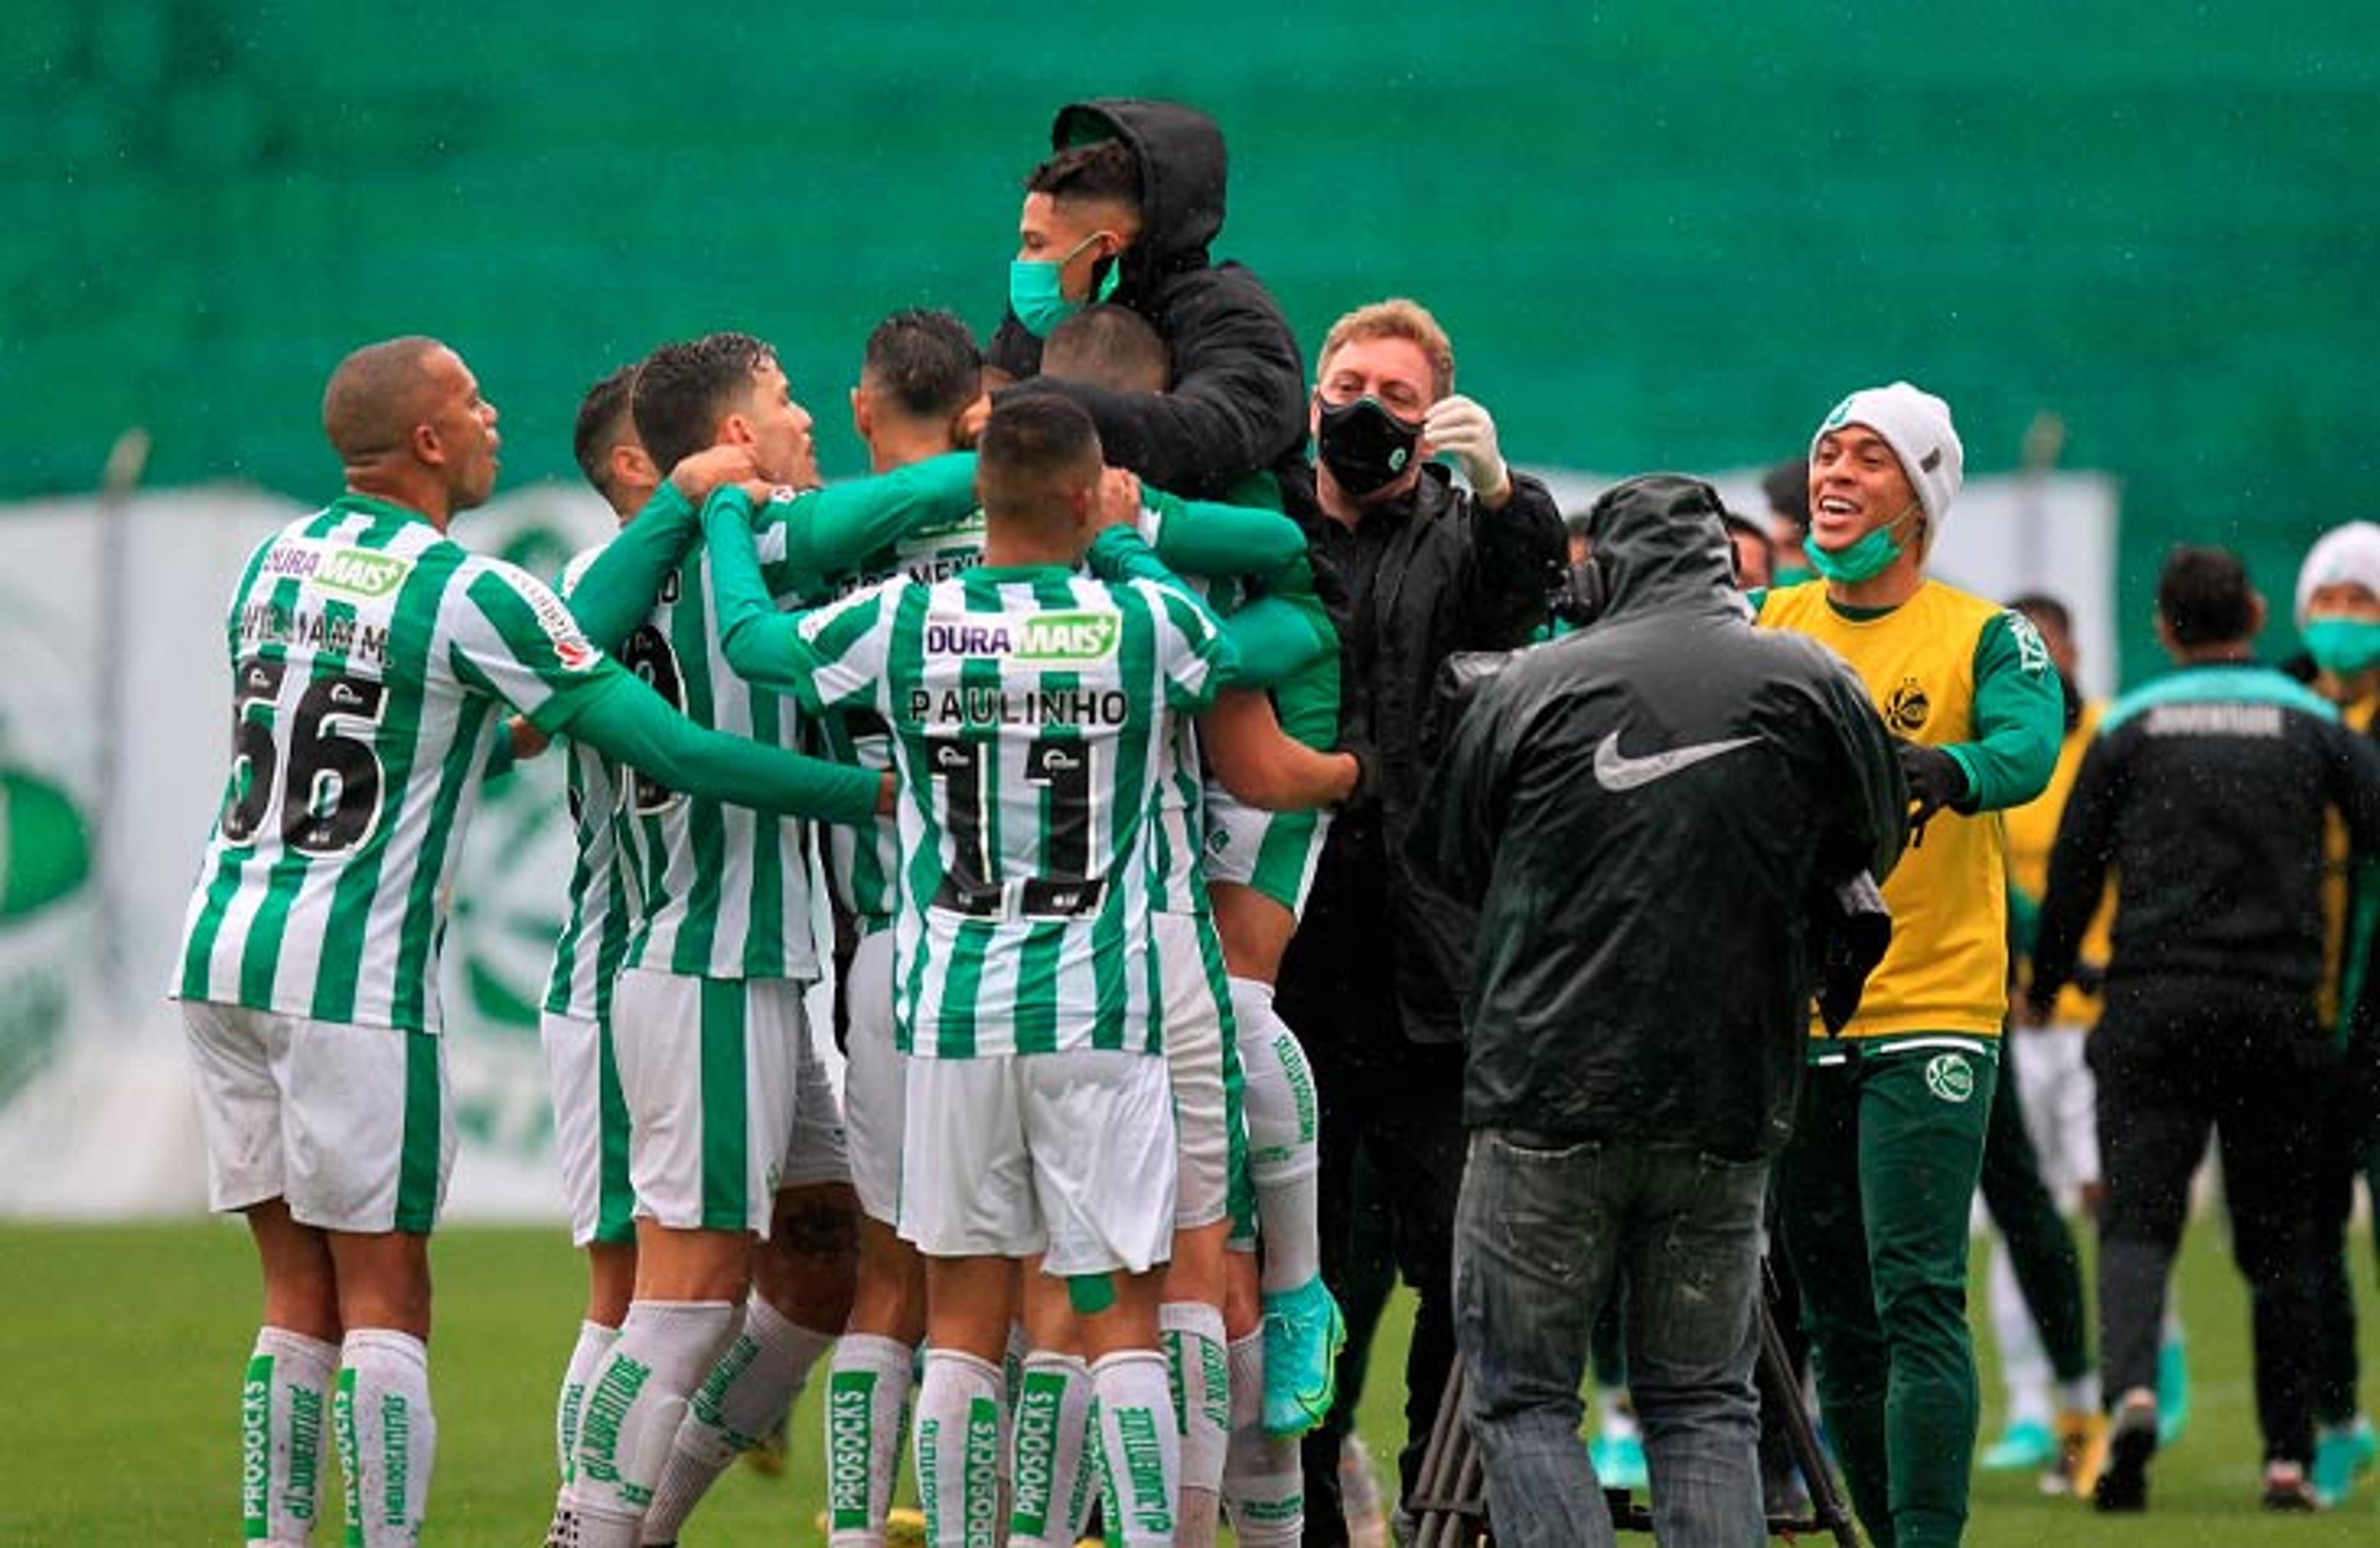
(863, 864)
(1031, 712)
(722, 892)
(371, 660)
(598, 916)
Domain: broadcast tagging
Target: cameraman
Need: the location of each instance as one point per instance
(1642, 812)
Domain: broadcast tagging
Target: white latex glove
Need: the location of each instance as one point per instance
(1459, 427)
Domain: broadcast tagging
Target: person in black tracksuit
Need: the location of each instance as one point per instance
(2208, 792)
(1645, 812)
(1134, 230)
(1374, 979)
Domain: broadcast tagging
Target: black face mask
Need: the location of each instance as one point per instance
(1364, 445)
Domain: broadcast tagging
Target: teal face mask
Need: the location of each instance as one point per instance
(2343, 645)
(1862, 561)
(1033, 293)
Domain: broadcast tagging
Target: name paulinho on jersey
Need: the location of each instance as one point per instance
(1030, 711)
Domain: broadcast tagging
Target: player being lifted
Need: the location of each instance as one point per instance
(371, 662)
(1246, 1393)
(1031, 707)
(733, 1129)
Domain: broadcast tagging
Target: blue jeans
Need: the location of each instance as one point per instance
(1543, 1238)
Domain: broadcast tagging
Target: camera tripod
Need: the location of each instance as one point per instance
(1451, 1500)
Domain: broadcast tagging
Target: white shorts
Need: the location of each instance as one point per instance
(873, 1096)
(727, 1102)
(2059, 1097)
(1275, 853)
(350, 1124)
(1070, 1155)
(590, 1130)
(1195, 1007)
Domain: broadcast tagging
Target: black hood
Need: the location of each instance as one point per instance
(1659, 540)
(1181, 173)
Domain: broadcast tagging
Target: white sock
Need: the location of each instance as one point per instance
(1200, 1367)
(1140, 1450)
(1282, 1122)
(630, 1420)
(745, 1396)
(595, 1342)
(2024, 1369)
(1051, 1426)
(283, 1405)
(957, 1440)
(1264, 1481)
(866, 1404)
(387, 1436)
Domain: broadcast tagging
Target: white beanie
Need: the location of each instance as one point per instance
(1916, 425)
(2344, 555)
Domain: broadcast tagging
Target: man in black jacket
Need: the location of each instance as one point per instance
(2208, 792)
(1373, 980)
(1643, 812)
(1124, 213)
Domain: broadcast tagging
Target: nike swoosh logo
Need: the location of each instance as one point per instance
(1615, 771)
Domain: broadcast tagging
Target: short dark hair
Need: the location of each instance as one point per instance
(1787, 489)
(1030, 443)
(376, 397)
(1105, 169)
(926, 359)
(685, 389)
(601, 414)
(1109, 346)
(2042, 608)
(2204, 597)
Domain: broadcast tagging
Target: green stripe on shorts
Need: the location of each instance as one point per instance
(726, 1134)
(615, 1199)
(416, 1174)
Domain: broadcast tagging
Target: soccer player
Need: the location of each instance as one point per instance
(734, 1131)
(371, 660)
(1888, 1141)
(1255, 867)
(1031, 707)
(2211, 985)
(591, 1119)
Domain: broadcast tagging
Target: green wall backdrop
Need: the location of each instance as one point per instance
(1662, 235)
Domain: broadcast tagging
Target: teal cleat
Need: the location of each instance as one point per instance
(2173, 1390)
(2025, 1447)
(2341, 1451)
(1303, 1335)
(1619, 1462)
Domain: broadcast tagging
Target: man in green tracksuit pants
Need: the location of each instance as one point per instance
(1888, 1141)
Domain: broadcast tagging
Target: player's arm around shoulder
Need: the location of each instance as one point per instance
(836, 527)
(2019, 717)
(516, 641)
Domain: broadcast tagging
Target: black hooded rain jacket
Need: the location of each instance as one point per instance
(1642, 812)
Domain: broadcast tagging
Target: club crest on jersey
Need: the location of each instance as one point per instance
(1055, 638)
(1908, 708)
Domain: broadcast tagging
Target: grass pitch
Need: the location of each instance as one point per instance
(124, 1349)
